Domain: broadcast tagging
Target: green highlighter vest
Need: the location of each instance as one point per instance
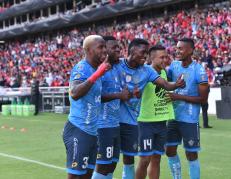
(154, 107)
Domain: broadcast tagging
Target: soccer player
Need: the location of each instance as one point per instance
(79, 133)
(155, 111)
(108, 120)
(186, 105)
(134, 75)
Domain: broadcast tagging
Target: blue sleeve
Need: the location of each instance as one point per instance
(201, 76)
(79, 72)
(169, 72)
(153, 75)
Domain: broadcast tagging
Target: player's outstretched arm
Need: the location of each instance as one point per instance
(169, 86)
(201, 99)
(124, 95)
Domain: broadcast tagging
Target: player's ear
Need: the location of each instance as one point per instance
(191, 51)
(132, 50)
(87, 50)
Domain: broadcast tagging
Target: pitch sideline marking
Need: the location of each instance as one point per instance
(33, 161)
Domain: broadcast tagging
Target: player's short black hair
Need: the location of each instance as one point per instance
(136, 42)
(155, 48)
(189, 41)
(107, 38)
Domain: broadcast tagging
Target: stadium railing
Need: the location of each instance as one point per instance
(50, 97)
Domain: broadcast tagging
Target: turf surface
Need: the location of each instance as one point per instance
(38, 139)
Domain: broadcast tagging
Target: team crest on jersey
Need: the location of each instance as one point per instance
(74, 164)
(128, 78)
(191, 142)
(77, 76)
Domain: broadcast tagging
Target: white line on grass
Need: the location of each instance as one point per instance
(33, 161)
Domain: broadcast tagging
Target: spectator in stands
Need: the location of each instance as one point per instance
(210, 28)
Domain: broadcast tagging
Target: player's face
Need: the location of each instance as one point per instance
(98, 51)
(139, 54)
(158, 58)
(183, 51)
(113, 51)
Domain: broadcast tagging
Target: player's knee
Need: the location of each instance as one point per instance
(103, 169)
(156, 159)
(144, 161)
(191, 156)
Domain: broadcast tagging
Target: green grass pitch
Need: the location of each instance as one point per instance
(32, 148)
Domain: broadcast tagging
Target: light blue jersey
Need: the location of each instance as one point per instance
(134, 78)
(110, 111)
(84, 112)
(194, 75)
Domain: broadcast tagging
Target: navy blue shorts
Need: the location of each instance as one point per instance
(108, 145)
(129, 139)
(152, 138)
(81, 149)
(189, 132)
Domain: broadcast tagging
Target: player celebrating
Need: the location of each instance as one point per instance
(108, 120)
(186, 104)
(155, 111)
(79, 133)
(134, 75)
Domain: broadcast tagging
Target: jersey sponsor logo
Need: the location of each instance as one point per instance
(75, 147)
(160, 92)
(89, 112)
(99, 156)
(74, 164)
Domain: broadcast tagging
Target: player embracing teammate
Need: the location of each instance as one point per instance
(107, 105)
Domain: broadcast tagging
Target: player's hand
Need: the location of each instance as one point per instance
(106, 63)
(137, 92)
(101, 70)
(125, 94)
(172, 96)
(180, 83)
(167, 97)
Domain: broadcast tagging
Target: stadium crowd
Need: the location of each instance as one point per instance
(50, 59)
